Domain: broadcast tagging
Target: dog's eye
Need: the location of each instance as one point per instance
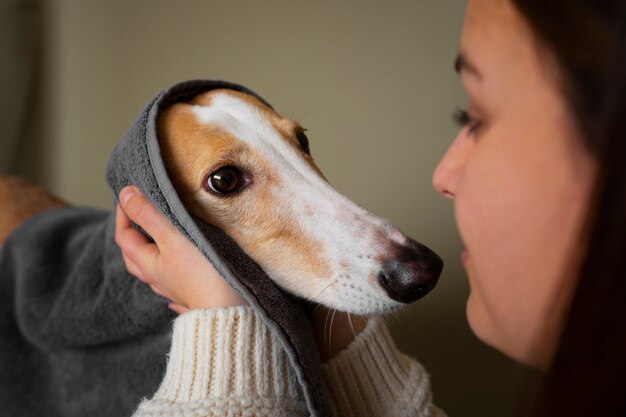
(304, 142)
(225, 180)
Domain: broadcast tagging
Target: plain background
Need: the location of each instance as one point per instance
(371, 80)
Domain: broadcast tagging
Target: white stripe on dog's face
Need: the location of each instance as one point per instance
(245, 122)
(310, 239)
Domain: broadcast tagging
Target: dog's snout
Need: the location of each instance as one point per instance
(411, 274)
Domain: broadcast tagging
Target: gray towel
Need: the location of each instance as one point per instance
(79, 336)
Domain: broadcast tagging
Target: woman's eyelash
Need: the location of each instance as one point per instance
(463, 119)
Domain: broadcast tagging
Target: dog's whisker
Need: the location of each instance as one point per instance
(325, 323)
(325, 288)
(292, 115)
(318, 306)
(351, 326)
(330, 334)
(318, 295)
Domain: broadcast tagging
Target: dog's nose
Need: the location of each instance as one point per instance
(412, 273)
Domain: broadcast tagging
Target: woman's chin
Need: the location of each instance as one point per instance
(475, 317)
(497, 338)
(480, 323)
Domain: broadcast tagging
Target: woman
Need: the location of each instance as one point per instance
(539, 186)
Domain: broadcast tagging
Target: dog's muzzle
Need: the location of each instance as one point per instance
(411, 273)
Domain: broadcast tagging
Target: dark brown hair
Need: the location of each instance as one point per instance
(588, 40)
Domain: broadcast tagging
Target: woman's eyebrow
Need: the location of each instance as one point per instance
(461, 64)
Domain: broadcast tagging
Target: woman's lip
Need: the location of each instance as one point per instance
(464, 256)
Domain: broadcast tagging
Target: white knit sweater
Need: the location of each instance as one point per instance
(226, 362)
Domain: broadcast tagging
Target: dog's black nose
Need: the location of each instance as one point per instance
(410, 274)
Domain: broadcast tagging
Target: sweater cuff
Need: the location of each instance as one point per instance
(372, 378)
(230, 355)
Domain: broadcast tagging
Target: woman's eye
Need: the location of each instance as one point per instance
(304, 142)
(464, 119)
(225, 180)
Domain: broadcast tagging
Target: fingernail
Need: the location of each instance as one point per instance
(126, 194)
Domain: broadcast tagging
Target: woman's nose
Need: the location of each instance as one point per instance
(449, 171)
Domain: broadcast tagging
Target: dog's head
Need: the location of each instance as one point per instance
(240, 166)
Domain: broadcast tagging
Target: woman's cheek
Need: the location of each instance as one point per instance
(487, 219)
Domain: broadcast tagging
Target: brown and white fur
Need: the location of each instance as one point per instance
(310, 239)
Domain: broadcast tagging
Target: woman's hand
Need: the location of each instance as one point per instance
(172, 266)
(175, 269)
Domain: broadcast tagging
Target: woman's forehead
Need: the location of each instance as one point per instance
(493, 22)
(487, 8)
(495, 39)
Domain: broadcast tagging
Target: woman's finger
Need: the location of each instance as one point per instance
(135, 246)
(133, 269)
(124, 230)
(157, 291)
(178, 308)
(140, 211)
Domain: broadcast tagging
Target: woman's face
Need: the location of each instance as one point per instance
(521, 180)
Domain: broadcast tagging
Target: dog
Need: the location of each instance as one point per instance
(240, 166)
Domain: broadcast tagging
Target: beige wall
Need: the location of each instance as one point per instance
(371, 80)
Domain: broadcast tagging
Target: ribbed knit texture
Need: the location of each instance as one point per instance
(226, 362)
(372, 378)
